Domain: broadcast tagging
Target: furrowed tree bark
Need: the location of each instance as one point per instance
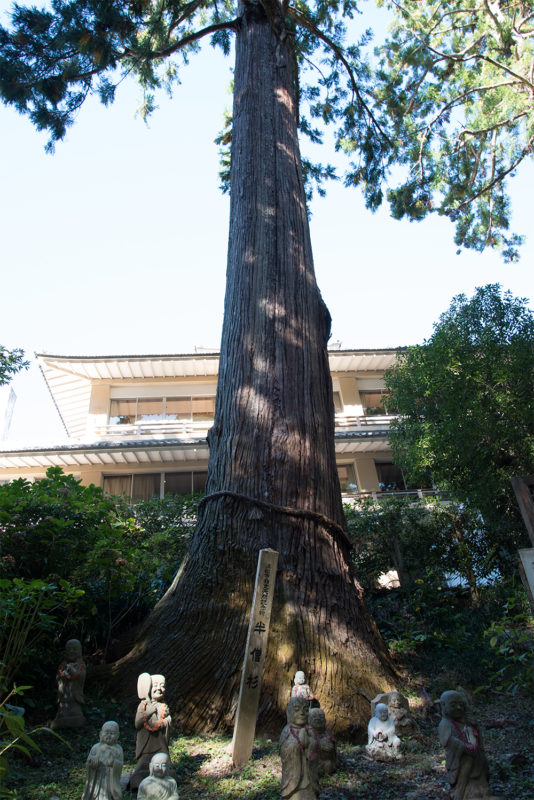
(272, 442)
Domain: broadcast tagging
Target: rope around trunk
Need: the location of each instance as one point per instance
(287, 510)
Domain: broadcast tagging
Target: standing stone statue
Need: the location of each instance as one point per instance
(70, 681)
(158, 785)
(299, 754)
(466, 763)
(383, 743)
(104, 766)
(325, 743)
(152, 723)
(399, 712)
(301, 688)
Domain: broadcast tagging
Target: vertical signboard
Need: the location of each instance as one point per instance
(255, 650)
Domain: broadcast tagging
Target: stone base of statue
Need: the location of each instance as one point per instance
(71, 720)
(382, 751)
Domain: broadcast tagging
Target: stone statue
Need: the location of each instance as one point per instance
(70, 680)
(301, 688)
(399, 712)
(324, 742)
(159, 785)
(466, 763)
(152, 723)
(383, 743)
(299, 754)
(104, 766)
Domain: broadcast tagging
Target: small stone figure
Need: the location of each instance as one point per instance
(324, 742)
(70, 680)
(301, 688)
(104, 766)
(152, 723)
(298, 751)
(399, 712)
(383, 743)
(159, 785)
(466, 763)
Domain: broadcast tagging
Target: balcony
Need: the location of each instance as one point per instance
(348, 422)
(198, 429)
(157, 429)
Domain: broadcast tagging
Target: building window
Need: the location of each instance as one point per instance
(153, 409)
(347, 478)
(373, 402)
(390, 478)
(145, 486)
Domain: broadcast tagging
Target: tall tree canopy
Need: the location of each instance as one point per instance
(458, 81)
(465, 399)
(451, 98)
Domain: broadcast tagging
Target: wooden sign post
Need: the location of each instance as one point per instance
(255, 650)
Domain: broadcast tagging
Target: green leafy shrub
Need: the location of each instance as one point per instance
(415, 537)
(455, 639)
(119, 558)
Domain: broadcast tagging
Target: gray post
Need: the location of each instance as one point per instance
(255, 650)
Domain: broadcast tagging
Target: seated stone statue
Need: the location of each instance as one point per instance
(383, 743)
(152, 723)
(70, 681)
(104, 766)
(158, 785)
(301, 688)
(399, 712)
(300, 765)
(324, 742)
(466, 763)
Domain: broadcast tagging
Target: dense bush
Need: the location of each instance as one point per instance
(438, 631)
(117, 558)
(417, 537)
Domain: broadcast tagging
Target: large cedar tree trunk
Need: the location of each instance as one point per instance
(273, 442)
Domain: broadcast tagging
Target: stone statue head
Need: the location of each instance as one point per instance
(157, 691)
(73, 650)
(453, 705)
(317, 719)
(109, 733)
(300, 678)
(396, 700)
(159, 765)
(297, 711)
(381, 712)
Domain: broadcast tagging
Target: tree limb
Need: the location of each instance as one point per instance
(308, 24)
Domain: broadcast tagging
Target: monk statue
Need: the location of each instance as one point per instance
(299, 754)
(70, 680)
(466, 763)
(301, 689)
(383, 743)
(158, 785)
(152, 723)
(324, 742)
(104, 766)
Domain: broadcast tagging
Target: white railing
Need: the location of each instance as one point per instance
(186, 428)
(371, 421)
(173, 428)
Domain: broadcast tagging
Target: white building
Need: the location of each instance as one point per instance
(137, 425)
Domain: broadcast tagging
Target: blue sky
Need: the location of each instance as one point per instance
(117, 243)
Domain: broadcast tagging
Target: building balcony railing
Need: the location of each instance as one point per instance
(157, 429)
(186, 428)
(347, 421)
